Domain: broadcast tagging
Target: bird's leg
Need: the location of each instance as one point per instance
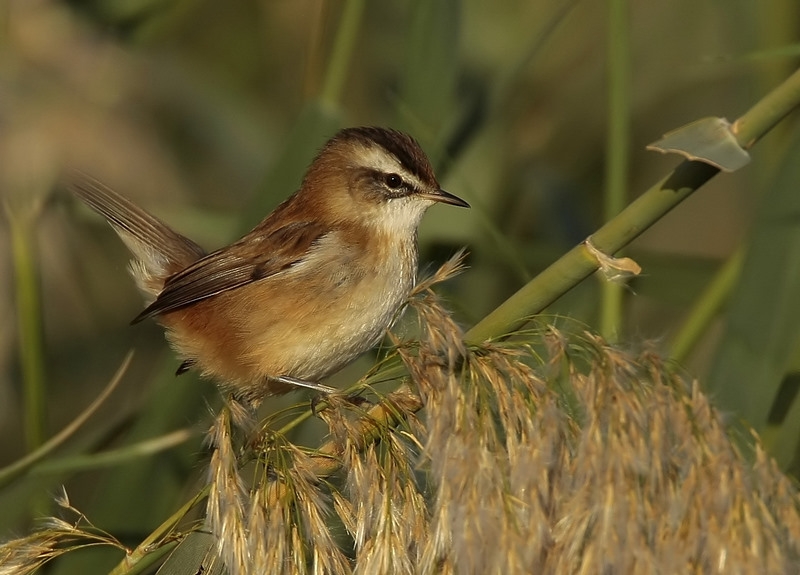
(323, 391)
(318, 387)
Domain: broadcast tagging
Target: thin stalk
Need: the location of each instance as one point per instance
(617, 150)
(114, 457)
(707, 306)
(155, 540)
(5, 18)
(342, 52)
(29, 321)
(21, 466)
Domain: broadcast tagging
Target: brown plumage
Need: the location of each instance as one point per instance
(310, 288)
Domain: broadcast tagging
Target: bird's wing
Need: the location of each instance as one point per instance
(258, 255)
(160, 249)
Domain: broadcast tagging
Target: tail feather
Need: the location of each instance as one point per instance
(158, 251)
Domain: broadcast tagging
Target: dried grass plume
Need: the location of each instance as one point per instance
(556, 453)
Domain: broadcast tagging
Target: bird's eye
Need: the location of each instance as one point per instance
(392, 181)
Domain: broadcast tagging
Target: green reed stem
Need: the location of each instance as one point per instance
(578, 264)
(342, 52)
(707, 306)
(22, 225)
(618, 151)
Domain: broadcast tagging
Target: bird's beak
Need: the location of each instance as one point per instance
(445, 198)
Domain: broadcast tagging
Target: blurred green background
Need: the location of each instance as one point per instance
(207, 113)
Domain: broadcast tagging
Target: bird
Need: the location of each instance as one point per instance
(309, 289)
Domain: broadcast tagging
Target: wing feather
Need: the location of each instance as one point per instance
(257, 256)
(152, 241)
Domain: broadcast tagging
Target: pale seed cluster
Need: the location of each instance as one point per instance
(572, 456)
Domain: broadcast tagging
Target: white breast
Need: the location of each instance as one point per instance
(355, 299)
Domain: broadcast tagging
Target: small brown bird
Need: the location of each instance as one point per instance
(310, 288)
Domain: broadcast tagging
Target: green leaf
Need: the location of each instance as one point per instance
(763, 319)
(708, 140)
(428, 84)
(195, 554)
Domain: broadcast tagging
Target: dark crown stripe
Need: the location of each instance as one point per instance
(400, 145)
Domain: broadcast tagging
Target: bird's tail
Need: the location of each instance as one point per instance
(158, 251)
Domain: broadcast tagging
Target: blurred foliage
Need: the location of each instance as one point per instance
(207, 113)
